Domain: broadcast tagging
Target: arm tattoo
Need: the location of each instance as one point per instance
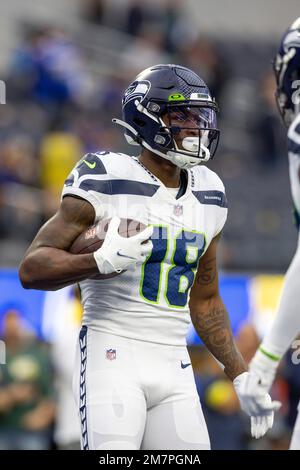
(207, 273)
(214, 329)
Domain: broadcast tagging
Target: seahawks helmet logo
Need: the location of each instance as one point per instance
(136, 90)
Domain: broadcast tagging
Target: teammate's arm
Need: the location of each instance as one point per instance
(210, 317)
(47, 264)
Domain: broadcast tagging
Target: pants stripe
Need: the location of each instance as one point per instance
(82, 387)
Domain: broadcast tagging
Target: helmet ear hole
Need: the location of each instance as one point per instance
(139, 122)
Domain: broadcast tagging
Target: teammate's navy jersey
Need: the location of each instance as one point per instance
(294, 163)
(149, 303)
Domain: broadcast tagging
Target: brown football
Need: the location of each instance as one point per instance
(93, 237)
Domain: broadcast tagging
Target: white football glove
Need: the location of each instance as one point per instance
(256, 403)
(119, 253)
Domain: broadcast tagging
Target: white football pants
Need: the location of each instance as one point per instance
(136, 395)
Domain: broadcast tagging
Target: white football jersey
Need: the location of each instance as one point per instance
(149, 303)
(294, 163)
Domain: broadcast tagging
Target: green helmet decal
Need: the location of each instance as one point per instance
(176, 97)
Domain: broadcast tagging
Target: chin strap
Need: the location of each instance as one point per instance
(192, 145)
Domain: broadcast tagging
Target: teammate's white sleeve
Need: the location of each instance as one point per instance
(286, 325)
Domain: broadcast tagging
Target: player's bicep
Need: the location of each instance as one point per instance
(72, 218)
(206, 284)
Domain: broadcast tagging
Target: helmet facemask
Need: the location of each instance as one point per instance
(188, 130)
(184, 133)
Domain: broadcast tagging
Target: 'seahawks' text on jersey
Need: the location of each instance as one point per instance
(149, 303)
(294, 164)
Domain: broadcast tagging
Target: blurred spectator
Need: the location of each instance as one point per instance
(247, 341)
(49, 69)
(20, 210)
(95, 130)
(59, 152)
(177, 28)
(67, 326)
(26, 396)
(136, 16)
(17, 161)
(93, 10)
(203, 56)
(146, 50)
(111, 97)
(221, 408)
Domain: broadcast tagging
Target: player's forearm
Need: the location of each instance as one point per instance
(286, 325)
(50, 268)
(211, 322)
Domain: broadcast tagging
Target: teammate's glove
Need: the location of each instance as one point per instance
(119, 253)
(256, 403)
(264, 366)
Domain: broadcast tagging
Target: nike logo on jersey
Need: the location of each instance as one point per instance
(124, 256)
(90, 165)
(185, 365)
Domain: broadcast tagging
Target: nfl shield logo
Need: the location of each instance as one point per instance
(178, 210)
(111, 354)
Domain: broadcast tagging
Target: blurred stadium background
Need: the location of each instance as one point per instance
(65, 64)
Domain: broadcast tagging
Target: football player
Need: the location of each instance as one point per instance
(286, 325)
(134, 383)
